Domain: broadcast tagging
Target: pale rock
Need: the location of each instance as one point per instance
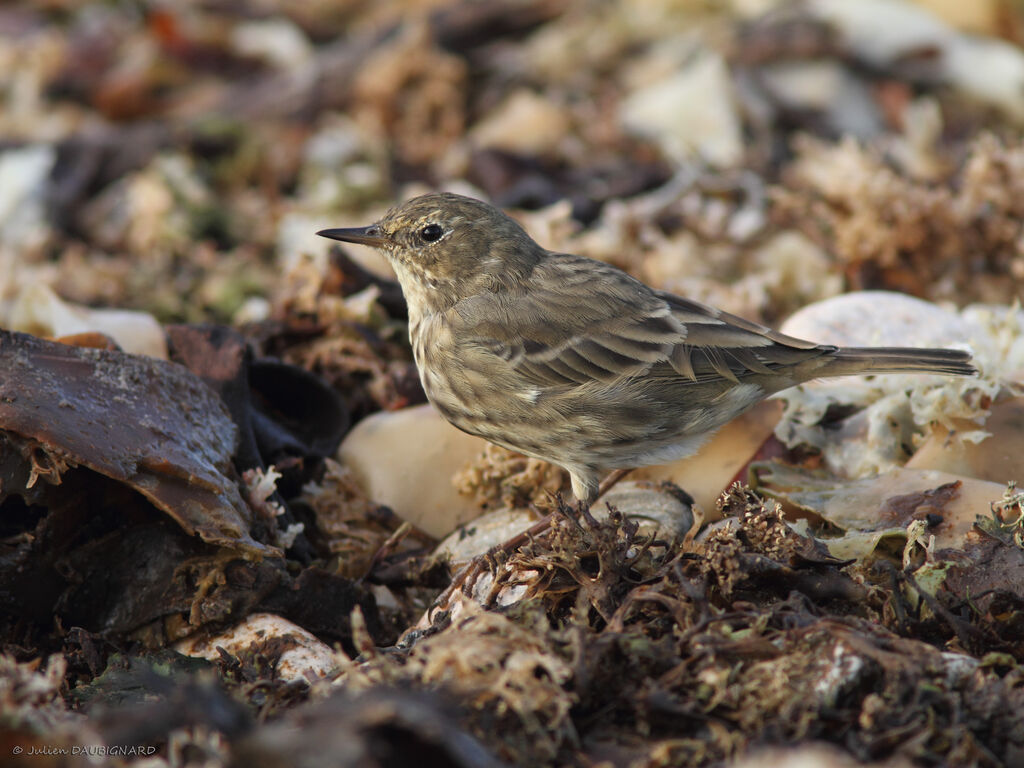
(829, 88)
(656, 511)
(885, 32)
(878, 318)
(524, 122)
(689, 113)
(882, 31)
(297, 241)
(894, 410)
(277, 41)
(991, 71)
(255, 309)
(809, 84)
(24, 175)
(489, 530)
(711, 470)
(300, 656)
(406, 460)
(39, 311)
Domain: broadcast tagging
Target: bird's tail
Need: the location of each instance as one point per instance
(851, 360)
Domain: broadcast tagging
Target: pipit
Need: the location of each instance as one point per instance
(573, 361)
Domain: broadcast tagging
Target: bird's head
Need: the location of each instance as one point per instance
(446, 247)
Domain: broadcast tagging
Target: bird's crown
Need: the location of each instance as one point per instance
(449, 244)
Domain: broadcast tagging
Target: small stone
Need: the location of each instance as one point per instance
(39, 311)
(524, 122)
(995, 458)
(689, 113)
(300, 656)
(711, 470)
(25, 173)
(489, 530)
(877, 318)
(658, 512)
(406, 459)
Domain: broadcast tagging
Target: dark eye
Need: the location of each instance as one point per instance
(431, 233)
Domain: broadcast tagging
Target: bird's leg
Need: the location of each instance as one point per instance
(610, 480)
(466, 578)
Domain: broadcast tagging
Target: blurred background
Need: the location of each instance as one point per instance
(177, 158)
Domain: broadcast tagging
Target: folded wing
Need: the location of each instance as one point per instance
(564, 336)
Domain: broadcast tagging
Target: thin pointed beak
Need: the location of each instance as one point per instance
(362, 235)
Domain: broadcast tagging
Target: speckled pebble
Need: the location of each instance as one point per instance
(301, 654)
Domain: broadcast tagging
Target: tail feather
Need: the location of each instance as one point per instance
(852, 360)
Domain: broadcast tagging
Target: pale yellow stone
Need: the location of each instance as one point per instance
(996, 458)
(406, 460)
(978, 16)
(707, 473)
(524, 122)
(41, 312)
(303, 657)
(890, 501)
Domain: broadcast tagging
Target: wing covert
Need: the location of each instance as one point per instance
(556, 335)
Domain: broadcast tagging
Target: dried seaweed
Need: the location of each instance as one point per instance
(958, 240)
(501, 478)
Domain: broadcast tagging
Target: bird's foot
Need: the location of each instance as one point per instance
(466, 578)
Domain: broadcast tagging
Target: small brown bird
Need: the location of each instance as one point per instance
(571, 360)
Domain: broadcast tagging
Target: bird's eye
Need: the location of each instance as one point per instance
(431, 233)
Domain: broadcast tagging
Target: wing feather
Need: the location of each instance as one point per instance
(618, 328)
